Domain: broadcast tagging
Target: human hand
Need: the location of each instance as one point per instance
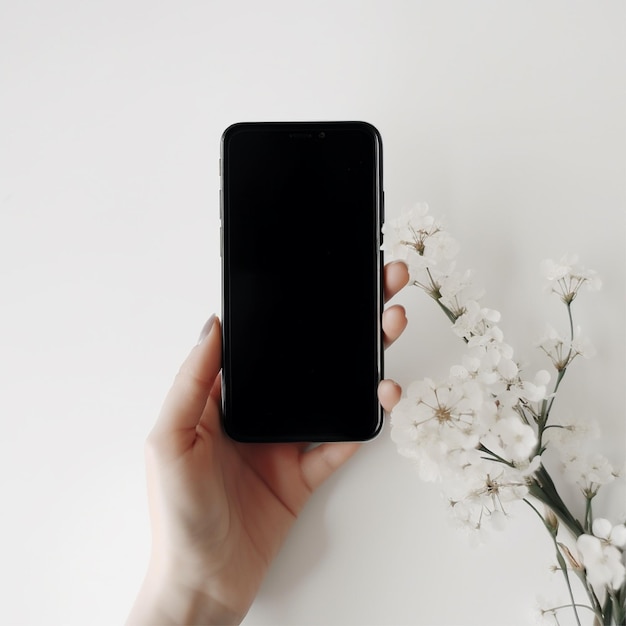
(221, 510)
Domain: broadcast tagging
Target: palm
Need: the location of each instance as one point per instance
(255, 496)
(265, 492)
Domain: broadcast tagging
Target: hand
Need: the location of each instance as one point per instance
(221, 510)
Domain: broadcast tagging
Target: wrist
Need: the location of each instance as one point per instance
(169, 599)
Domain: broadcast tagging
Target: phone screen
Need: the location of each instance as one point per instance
(302, 281)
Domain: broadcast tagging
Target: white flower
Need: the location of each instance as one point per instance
(611, 535)
(601, 554)
(556, 347)
(399, 233)
(491, 336)
(456, 289)
(439, 247)
(484, 492)
(562, 351)
(489, 361)
(588, 471)
(474, 320)
(419, 240)
(565, 277)
(515, 389)
(569, 436)
(528, 467)
(537, 389)
(556, 270)
(582, 345)
(518, 440)
(435, 419)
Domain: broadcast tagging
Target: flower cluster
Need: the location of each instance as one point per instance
(601, 554)
(482, 430)
(471, 429)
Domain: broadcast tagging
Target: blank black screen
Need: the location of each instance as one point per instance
(301, 221)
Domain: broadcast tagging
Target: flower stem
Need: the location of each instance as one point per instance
(588, 514)
(543, 489)
(618, 598)
(559, 558)
(546, 406)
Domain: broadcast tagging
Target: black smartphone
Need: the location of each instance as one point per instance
(301, 209)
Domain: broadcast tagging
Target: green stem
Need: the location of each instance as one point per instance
(495, 457)
(576, 604)
(547, 406)
(559, 558)
(543, 489)
(607, 610)
(618, 599)
(436, 296)
(588, 514)
(449, 314)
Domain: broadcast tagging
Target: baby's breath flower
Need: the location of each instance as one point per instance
(556, 347)
(482, 432)
(565, 277)
(474, 320)
(484, 493)
(562, 351)
(436, 418)
(581, 345)
(569, 436)
(610, 535)
(513, 391)
(518, 440)
(418, 239)
(601, 554)
(528, 467)
(456, 289)
(589, 471)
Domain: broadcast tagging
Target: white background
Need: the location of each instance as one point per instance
(506, 117)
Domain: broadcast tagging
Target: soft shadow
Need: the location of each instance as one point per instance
(304, 548)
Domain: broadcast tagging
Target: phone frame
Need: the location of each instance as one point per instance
(313, 128)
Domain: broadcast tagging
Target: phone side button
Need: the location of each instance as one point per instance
(221, 242)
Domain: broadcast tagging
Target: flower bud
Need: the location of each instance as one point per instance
(551, 521)
(570, 557)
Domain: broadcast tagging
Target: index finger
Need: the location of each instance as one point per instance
(187, 399)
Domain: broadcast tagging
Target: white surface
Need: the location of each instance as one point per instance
(507, 117)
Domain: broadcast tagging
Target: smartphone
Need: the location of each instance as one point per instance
(301, 214)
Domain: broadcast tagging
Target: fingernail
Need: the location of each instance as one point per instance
(206, 329)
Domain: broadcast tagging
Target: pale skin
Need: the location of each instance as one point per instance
(220, 511)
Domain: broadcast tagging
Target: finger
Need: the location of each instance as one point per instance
(394, 323)
(389, 394)
(216, 390)
(192, 386)
(320, 462)
(395, 277)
